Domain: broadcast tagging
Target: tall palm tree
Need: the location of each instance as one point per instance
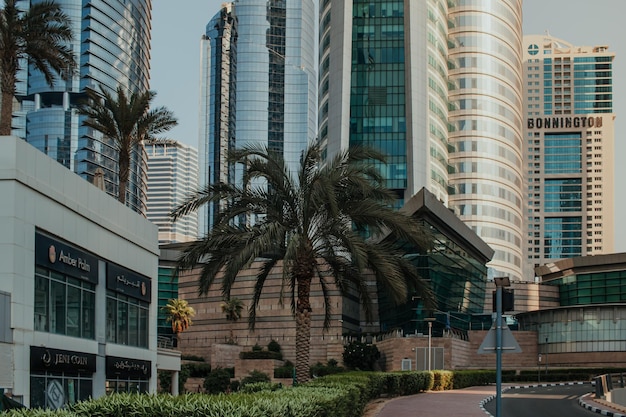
(232, 308)
(43, 35)
(325, 224)
(179, 313)
(127, 121)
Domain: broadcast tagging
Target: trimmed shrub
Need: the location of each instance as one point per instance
(254, 377)
(273, 346)
(285, 371)
(261, 354)
(217, 381)
(360, 356)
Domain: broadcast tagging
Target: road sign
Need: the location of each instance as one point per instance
(509, 344)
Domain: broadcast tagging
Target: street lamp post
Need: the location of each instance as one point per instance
(429, 320)
(500, 283)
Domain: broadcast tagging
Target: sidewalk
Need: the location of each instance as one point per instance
(470, 402)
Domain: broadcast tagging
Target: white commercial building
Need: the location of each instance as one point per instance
(78, 286)
(569, 149)
(172, 177)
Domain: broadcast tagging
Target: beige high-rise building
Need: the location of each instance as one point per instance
(569, 147)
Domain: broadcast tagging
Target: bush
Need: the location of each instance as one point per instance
(261, 354)
(330, 368)
(217, 381)
(192, 358)
(273, 346)
(257, 348)
(197, 370)
(285, 371)
(360, 356)
(254, 377)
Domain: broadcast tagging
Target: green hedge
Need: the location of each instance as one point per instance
(338, 395)
(261, 354)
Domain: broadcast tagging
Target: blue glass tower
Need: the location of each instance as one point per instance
(112, 48)
(258, 85)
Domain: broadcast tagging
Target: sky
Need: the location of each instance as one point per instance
(175, 61)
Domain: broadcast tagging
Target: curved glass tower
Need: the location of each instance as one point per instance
(261, 54)
(112, 47)
(486, 100)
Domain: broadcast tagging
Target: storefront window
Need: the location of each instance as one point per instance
(126, 385)
(49, 390)
(64, 305)
(127, 320)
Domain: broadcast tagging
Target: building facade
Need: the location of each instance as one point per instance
(569, 149)
(112, 48)
(436, 89)
(486, 119)
(258, 86)
(172, 177)
(383, 83)
(77, 287)
(588, 328)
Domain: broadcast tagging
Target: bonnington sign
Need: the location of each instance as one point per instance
(564, 122)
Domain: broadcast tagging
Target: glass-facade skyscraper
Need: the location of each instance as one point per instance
(112, 48)
(258, 85)
(383, 83)
(569, 148)
(435, 85)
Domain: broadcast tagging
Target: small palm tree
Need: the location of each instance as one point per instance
(127, 121)
(179, 313)
(42, 35)
(232, 307)
(317, 224)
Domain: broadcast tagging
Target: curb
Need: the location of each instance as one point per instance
(597, 410)
(588, 406)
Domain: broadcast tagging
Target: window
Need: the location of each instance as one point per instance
(126, 385)
(127, 320)
(53, 390)
(64, 305)
(5, 313)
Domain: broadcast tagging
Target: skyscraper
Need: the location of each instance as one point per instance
(485, 51)
(258, 85)
(384, 83)
(172, 177)
(569, 147)
(436, 86)
(112, 48)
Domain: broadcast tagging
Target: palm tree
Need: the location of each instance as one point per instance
(179, 313)
(43, 35)
(232, 307)
(317, 224)
(127, 121)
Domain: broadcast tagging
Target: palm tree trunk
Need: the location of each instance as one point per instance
(304, 271)
(6, 114)
(303, 342)
(124, 170)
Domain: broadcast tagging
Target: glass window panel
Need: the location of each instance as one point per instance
(133, 325)
(111, 320)
(122, 323)
(73, 311)
(57, 303)
(89, 314)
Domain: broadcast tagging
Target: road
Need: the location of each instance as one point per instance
(549, 401)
